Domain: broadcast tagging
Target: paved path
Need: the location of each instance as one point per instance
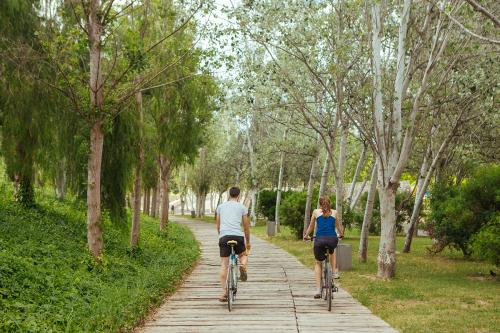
(277, 297)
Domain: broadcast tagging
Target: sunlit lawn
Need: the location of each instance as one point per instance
(431, 293)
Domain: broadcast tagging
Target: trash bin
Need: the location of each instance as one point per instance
(271, 228)
(344, 256)
(193, 213)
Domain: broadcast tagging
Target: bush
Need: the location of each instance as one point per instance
(267, 204)
(458, 213)
(292, 210)
(486, 243)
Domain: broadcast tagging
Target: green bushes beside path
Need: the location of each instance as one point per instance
(49, 282)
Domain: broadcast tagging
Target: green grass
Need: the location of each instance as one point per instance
(50, 283)
(431, 293)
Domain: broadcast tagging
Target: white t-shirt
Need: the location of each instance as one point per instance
(230, 213)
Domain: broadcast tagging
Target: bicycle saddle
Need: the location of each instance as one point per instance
(232, 243)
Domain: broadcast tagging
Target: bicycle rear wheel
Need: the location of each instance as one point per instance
(329, 290)
(229, 288)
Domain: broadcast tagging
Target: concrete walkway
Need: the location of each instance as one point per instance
(278, 297)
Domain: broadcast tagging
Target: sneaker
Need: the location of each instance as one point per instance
(336, 275)
(243, 275)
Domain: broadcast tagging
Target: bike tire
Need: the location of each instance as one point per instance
(329, 290)
(324, 281)
(229, 289)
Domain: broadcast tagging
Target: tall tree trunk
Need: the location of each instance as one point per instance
(324, 178)
(359, 193)
(165, 177)
(278, 191)
(61, 179)
(153, 202)
(339, 177)
(310, 190)
(183, 202)
(386, 259)
(158, 197)
(367, 218)
(136, 217)
(145, 200)
(253, 219)
(253, 175)
(94, 229)
(356, 173)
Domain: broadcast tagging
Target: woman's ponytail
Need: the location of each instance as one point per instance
(325, 205)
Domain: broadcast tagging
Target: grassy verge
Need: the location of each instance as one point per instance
(49, 282)
(440, 293)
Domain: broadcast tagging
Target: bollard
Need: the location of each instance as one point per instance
(271, 228)
(344, 256)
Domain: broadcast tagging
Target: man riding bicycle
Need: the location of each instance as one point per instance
(229, 217)
(326, 237)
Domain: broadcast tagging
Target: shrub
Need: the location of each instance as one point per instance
(292, 211)
(486, 243)
(458, 213)
(267, 204)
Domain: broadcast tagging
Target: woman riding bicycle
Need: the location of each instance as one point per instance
(326, 237)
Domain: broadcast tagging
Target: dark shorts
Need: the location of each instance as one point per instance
(225, 250)
(324, 242)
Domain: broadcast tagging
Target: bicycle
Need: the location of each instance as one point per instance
(232, 276)
(327, 283)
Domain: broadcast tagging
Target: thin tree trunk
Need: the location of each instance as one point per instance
(310, 190)
(356, 173)
(94, 230)
(165, 177)
(253, 172)
(183, 202)
(339, 179)
(158, 199)
(136, 218)
(278, 192)
(253, 210)
(324, 178)
(61, 180)
(367, 218)
(359, 193)
(144, 200)
(153, 202)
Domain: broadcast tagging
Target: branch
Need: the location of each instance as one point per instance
(477, 7)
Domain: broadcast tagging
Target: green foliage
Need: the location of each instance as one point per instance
(50, 283)
(292, 211)
(119, 156)
(266, 204)
(404, 205)
(459, 212)
(486, 243)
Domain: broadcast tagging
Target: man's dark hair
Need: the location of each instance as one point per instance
(234, 192)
